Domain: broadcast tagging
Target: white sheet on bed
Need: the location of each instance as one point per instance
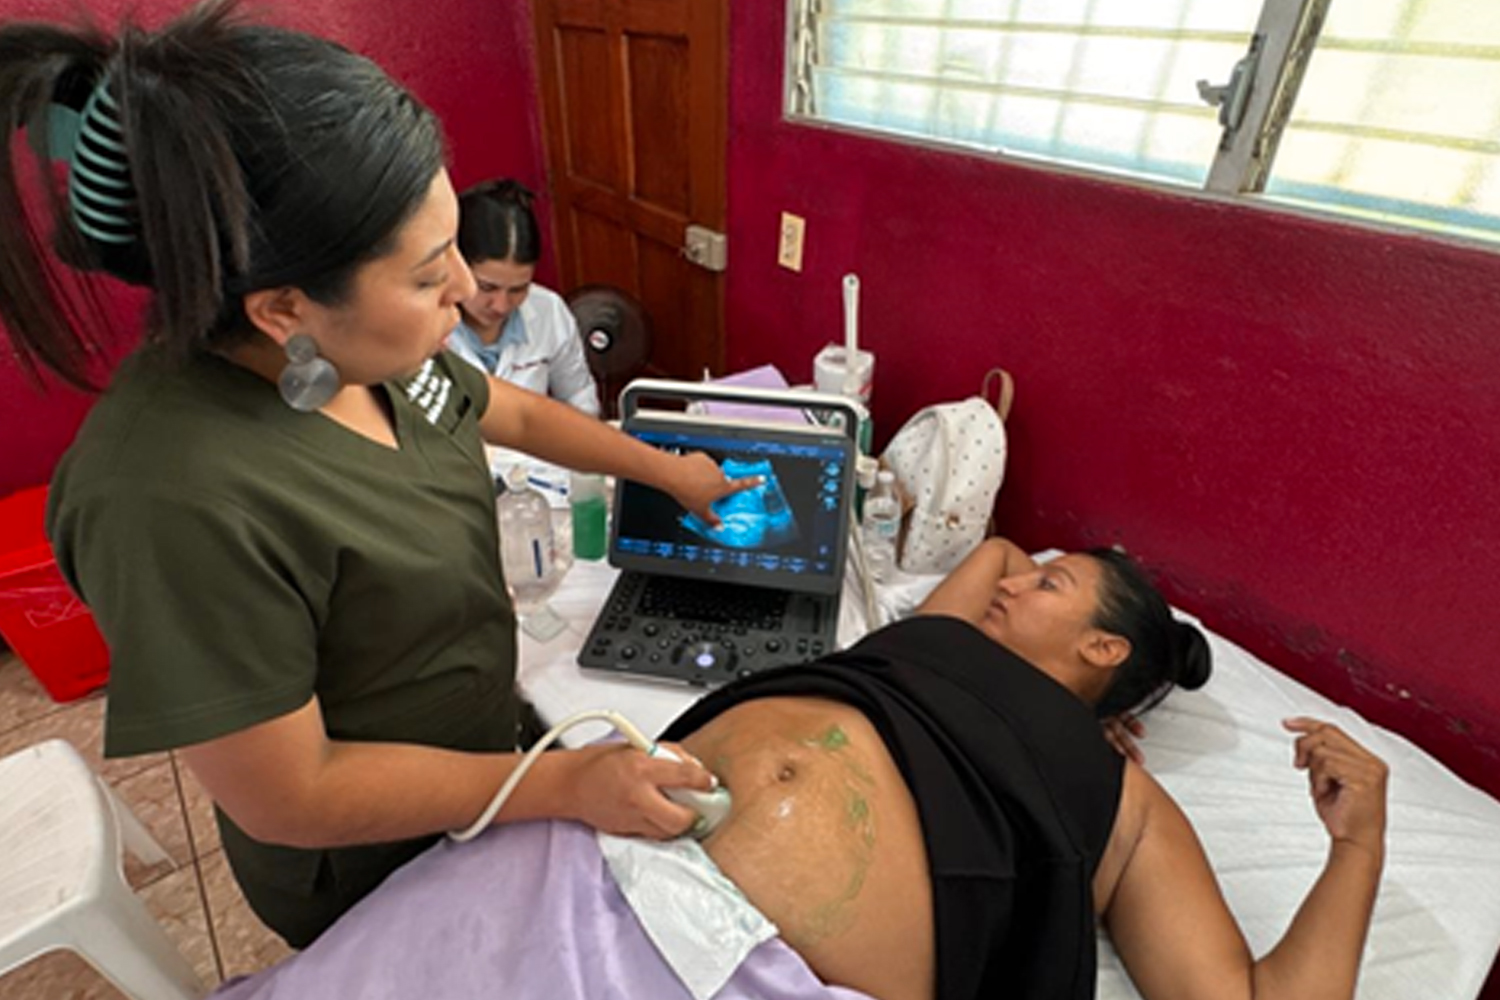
(1222, 754)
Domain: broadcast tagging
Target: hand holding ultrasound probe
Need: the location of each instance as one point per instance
(711, 806)
(756, 517)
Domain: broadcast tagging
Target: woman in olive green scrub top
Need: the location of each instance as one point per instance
(279, 512)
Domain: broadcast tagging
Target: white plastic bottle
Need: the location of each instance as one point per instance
(880, 526)
(528, 551)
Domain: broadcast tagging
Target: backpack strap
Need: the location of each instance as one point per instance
(1005, 395)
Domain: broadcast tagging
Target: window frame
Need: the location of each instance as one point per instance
(1286, 36)
(1286, 33)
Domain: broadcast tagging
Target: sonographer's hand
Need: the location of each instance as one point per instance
(1347, 782)
(618, 789)
(698, 481)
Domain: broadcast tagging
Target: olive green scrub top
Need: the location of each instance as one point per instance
(242, 558)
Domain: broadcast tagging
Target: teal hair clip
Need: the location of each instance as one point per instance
(91, 141)
(100, 191)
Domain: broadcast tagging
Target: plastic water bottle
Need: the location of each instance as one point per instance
(528, 551)
(880, 526)
(866, 469)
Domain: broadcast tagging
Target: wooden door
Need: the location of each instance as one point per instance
(635, 102)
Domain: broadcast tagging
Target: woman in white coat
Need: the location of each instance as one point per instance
(513, 328)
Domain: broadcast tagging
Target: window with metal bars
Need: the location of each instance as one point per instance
(1384, 109)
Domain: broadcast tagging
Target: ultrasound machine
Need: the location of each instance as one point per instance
(703, 604)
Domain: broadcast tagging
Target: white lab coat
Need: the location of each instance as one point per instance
(540, 350)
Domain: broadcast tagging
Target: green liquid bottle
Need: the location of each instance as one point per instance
(590, 530)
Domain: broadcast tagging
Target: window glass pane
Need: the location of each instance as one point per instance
(1096, 82)
(1398, 118)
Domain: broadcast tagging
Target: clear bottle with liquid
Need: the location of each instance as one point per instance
(866, 468)
(534, 563)
(879, 527)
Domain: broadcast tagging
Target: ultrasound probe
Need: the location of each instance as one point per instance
(711, 806)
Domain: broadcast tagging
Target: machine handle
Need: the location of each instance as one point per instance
(832, 410)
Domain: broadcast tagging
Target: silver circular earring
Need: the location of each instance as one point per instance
(308, 382)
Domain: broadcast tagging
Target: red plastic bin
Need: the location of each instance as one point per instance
(49, 628)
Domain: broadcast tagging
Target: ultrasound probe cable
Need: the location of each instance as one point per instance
(711, 806)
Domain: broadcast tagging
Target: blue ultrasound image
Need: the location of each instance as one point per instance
(786, 530)
(757, 518)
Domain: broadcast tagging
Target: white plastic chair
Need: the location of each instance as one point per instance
(62, 884)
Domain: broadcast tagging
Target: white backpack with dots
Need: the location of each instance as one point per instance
(949, 461)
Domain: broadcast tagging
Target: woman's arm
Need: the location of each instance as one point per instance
(967, 591)
(557, 433)
(1174, 931)
(285, 782)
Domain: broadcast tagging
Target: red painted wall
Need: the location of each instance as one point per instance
(1297, 423)
(473, 63)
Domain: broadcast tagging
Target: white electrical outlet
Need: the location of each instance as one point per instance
(789, 249)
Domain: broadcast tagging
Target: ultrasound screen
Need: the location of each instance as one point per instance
(788, 532)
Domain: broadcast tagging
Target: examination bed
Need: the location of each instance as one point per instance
(535, 911)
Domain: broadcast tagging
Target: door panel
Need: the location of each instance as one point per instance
(635, 100)
(659, 89)
(590, 142)
(659, 268)
(605, 250)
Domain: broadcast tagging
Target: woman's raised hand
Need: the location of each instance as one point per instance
(1347, 782)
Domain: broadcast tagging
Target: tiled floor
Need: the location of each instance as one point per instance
(195, 899)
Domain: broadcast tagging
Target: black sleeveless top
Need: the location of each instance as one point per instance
(1014, 783)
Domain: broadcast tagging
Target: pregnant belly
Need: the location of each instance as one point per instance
(823, 837)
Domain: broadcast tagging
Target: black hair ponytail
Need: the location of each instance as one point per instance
(217, 158)
(176, 91)
(1164, 652)
(49, 323)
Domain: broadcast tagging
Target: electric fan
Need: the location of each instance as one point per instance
(616, 336)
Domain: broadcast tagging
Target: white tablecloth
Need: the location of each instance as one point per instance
(551, 679)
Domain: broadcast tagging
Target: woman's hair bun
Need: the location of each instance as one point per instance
(503, 190)
(1191, 658)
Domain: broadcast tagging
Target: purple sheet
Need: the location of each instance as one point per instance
(524, 912)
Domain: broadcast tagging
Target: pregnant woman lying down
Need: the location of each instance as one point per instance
(935, 812)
